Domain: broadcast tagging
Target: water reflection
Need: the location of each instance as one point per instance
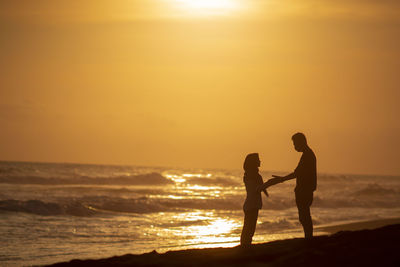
(202, 229)
(176, 178)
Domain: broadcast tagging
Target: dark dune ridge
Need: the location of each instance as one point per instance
(378, 247)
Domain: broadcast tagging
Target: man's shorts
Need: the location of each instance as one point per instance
(304, 199)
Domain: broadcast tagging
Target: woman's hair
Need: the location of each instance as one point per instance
(251, 162)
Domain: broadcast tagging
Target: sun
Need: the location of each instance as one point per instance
(208, 4)
(208, 7)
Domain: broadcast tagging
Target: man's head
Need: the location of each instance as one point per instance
(299, 142)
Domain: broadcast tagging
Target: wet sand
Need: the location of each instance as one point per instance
(331, 229)
(377, 247)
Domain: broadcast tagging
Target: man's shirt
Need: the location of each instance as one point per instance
(306, 172)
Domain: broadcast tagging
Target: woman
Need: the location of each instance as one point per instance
(253, 203)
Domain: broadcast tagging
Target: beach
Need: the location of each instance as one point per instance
(358, 225)
(59, 212)
(377, 247)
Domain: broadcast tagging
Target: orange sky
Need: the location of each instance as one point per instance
(175, 83)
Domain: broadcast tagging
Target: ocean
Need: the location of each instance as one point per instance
(57, 212)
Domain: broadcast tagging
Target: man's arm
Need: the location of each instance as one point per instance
(276, 180)
(281, 179)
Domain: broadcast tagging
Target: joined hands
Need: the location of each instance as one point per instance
(273, 181)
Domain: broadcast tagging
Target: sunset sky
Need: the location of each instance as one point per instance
(200, 84)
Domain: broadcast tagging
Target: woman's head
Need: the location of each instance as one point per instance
(252, 162)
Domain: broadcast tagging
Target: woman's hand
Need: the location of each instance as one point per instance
(265, 192)
(260, 188)
(264, 186)
(270, 182)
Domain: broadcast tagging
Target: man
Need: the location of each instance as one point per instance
(306, 182)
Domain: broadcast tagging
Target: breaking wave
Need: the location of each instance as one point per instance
(88, 206)
(43, 208)
(97, 205)
(142, 179)
(376, 190)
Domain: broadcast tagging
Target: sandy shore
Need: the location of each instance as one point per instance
(331, 229)
(377, 247)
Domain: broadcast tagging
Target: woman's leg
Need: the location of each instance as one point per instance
(249, 227)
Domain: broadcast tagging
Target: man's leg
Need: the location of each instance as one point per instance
(304, 202)
(306, 221)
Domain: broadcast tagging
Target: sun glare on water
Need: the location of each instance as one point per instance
(208, 7)
(215, 233)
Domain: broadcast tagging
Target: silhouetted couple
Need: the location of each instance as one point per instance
(306, 183)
